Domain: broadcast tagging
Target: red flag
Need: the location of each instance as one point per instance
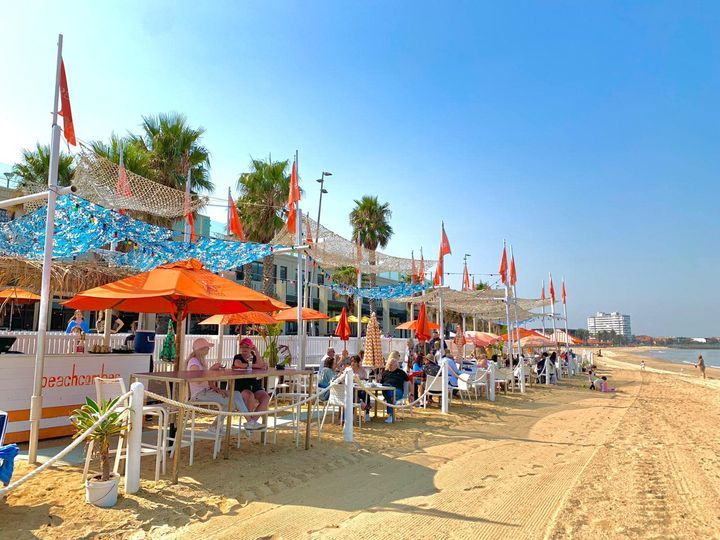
(234, 225)
(444, 244)
(564, 296)
(65, 110)
(513, 272)
(293, 200)
(466, 279)
(552, 290)
(191, 222)
(421, 269)
(439, 271)
(504, 267)
(413, 271)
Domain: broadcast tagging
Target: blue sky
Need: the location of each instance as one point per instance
(584, 133)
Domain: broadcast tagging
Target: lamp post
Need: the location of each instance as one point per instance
(321, 181)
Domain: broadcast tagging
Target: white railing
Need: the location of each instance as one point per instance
(59, 342)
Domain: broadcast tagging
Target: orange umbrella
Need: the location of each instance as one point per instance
(19, 296)
(422, 328)
(176, 288)
(481, 339)
(343, 328)
(248, 317)
(522, 333)
(290, 315)
(412, 325)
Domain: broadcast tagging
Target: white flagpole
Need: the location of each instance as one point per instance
(300, 274)
(517, 326)
(571, 368)
(507, 320)
(552, 314)
(543, 309)
(45, 292)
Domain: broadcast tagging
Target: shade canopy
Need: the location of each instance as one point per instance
(290, 315)
(412, 325)
(248, 317)
(185, 285)
(536, 342)
(19, 296)
(519, 333)
(343, 328)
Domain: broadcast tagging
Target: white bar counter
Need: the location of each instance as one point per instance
(67, 380)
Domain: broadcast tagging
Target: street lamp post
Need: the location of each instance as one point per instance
(321, 181)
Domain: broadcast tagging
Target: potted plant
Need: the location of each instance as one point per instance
(102, 489)
(270, 334)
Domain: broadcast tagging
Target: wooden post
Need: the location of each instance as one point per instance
(182, 391)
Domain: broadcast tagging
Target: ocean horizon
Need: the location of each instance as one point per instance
(686, 356)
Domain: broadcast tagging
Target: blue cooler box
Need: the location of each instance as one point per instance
(144, 342)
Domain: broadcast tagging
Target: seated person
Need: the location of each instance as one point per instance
(326, 376)
(253, 394)
(452, 369)
(208, 391)
(342, 362)
(362, 395)
(417, 374)
(393, 376)
(604, 385)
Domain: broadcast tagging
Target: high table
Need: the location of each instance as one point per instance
(183, 378)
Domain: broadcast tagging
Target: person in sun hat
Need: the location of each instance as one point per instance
(251, 390)
(208, 391)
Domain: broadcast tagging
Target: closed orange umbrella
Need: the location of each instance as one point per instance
(175, 288)
(249, 317)
(343, 328)
(412, 325)
(422, 328)
(290, 315)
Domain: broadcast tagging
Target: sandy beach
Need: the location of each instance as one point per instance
(558, 462)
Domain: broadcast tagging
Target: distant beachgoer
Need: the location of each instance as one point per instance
(78, 320)
(701, 364)
(604, 385)
(642, 365)
(599, 352)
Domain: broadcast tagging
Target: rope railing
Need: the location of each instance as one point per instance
(69, 448)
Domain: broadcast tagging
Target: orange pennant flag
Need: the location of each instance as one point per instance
(413, 270)
(439, 271)
(564, 296)
(234, 224)
(444, 243)
(513, 272)
(421, 269)
(504, 267)
(466, 279)
(191, 222)
(293, 200)
(65, 110)
(552, 290)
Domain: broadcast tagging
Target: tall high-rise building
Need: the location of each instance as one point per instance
(609, 321)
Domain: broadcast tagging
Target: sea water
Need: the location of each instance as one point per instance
(687, 356)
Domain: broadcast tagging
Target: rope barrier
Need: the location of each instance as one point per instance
(67, 449)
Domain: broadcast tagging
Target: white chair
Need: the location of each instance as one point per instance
(464, 386)
(108, 389)
(3, 425)
(336, 399)
(434, 387)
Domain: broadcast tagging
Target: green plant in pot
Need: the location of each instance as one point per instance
(270, 334)
(102, 489)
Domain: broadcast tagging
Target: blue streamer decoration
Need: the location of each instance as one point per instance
(383, 292)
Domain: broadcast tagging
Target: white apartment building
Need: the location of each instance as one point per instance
(609, 321)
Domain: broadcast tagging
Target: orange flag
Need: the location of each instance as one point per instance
(444, 244)
(234, 225)
(413, 270)
(191, 221)
(65, 110)
(293, 200)
(421, 269)
(564, 296)
(466, 279)
(552, 290)
(513, 272)
(439, 271)
(504, 267)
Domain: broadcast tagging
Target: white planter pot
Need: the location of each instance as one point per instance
(102, 494)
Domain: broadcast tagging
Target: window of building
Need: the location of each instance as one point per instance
(283, 272)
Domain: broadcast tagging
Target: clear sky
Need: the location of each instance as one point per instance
(585, 133)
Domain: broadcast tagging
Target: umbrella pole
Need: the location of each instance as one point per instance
(12, 307)
(221, 338)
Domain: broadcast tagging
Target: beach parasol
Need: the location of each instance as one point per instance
(422, 328)
(481, 339)
(373, 345)
(411, 325)
(248, 317)
(343, 328)
(290, 315)
(17, 296)
(520, 333)
(176, 288)
(535, 342)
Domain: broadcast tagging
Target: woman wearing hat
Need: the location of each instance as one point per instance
(251, 390)
(209, 390)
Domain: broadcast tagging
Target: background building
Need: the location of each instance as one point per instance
(607, 322)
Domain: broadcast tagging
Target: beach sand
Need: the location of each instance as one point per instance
(558, 462)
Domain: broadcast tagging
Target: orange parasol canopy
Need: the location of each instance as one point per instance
(411, 325)
(481, 339)
(522, 333)
(343, 328)
(536, 342)
(19, 296)
(290, 315)
(248, 317)
(179, 286)
(422, 328)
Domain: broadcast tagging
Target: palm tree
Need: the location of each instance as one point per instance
(35, 165)
(370, 222)
(263, 193)
(173, 146)
(136, 158)
(346, 275)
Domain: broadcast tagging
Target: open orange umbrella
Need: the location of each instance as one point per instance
(412, 325)
(481, 339)
(343, 328)
(17, 296)
(520, 333)
(248, 317)
(176, 288)
(290, 315)
(422, 328)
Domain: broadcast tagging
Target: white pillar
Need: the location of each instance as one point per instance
(444, 405)
(490, 380)
(349, 393)
(134, 440)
